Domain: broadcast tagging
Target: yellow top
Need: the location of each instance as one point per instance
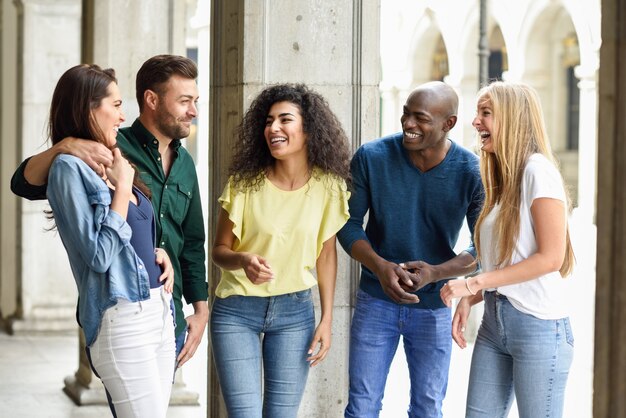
(287, 228)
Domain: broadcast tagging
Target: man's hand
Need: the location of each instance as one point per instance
(196, 324)
(424, 272)
(94, 154)
(393, 278)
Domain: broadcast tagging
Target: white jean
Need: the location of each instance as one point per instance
(134, 355)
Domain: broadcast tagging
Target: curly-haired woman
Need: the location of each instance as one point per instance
(285, 201)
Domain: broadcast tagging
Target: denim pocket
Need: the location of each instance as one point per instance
(567, 329)
(301, 296)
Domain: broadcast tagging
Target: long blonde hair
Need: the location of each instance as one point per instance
(518, 131)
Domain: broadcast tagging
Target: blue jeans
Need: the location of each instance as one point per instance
(180, 342)
(375, 333)
(251, 333)
(518, 355)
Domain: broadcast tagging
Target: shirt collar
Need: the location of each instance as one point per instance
(145, 137)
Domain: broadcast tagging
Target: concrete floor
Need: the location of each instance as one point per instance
(32, 369)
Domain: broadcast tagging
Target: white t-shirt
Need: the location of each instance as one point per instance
(543, 297)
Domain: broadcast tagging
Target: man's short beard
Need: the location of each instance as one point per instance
(174, 131)
(171, 130)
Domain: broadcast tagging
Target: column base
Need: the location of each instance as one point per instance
(180, 394)
(46, 319)
(94, 394)
(84, 388)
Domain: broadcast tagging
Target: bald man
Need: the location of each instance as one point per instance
(418, 187)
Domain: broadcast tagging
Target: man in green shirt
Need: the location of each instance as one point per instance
(167, 95)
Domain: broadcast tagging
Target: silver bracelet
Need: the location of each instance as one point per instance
(468, 288)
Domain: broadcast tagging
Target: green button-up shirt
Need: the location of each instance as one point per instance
(177, 209)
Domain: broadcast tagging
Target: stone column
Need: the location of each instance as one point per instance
(123, 41)
(390, 117)
(49, 32)
(587, 144)
(123, 34)
(9, 154)
(610, 333)
(200, 22)
(333, 47)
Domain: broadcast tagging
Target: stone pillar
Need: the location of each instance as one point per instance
(587, 144)
(49, 32)
(9, 154)
(200, 22)
(390, 110)
(333, 47)
(610, 333)
(122, 34)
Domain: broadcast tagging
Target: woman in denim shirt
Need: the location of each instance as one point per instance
(107, 227)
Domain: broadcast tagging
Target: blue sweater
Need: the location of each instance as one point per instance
(412, 215)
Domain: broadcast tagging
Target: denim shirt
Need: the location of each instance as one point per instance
(97, 240)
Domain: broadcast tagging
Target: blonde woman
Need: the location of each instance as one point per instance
(524, 346)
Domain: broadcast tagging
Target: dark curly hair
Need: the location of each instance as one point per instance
(327, 144)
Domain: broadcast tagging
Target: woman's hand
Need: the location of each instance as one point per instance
(457, 289)
(459, 321)
(321, 337)
(163, 260)
(121, 173)
(257, 269)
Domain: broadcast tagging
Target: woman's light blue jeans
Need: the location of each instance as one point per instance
(517, 355)
(273, 334)
(374, 336)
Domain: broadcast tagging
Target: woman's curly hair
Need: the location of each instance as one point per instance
(327, 144)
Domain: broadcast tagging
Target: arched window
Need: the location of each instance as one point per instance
(440, 61)
(571, 58)
(498, 60)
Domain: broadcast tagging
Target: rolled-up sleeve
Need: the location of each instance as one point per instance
(192, 257)
(82, 215)
(22, 188)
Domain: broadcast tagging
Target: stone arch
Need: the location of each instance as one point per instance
(551, 39)
(426, 40)
(468, 78)
(498, 59)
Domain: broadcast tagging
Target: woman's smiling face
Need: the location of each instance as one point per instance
(284, 131)
(483, 122)
(108, 115)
